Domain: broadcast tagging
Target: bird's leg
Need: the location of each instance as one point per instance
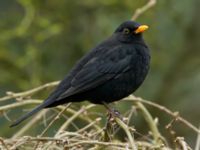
(112, 112)
(111, 126)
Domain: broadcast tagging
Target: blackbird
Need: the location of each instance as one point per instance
(112, 70)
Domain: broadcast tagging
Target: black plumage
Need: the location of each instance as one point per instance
(109, 72)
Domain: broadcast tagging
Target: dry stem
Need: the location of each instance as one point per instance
(143, 9)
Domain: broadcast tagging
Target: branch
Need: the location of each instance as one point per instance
(30, 124)
(66, 124)
(128, 133)
(162, 108)
(18, 104)
(182, 144)
(141, 10)
(11, 95)
(150, 121)
(55, 118)
(197, 147)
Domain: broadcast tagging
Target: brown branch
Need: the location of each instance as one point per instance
(85, 118)
(89, 125)
(127, 131)
(18, 104)
(3, 144)
(181, 142)
(197, 147)
(11, 95)
(141, 10)
(164, 109)
(152, 125)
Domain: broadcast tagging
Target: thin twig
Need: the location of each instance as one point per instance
(96, 143)
(150, 121)
(128, 133)
(89, 125)
(29, 124)
(19, 104)
(66, 124)
(197, 147)
(141, 10)
(55, 118)
(182, 143)
(11, 95)
(85, 118)
(72, 134)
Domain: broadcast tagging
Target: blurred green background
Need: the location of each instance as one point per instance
(41, 40)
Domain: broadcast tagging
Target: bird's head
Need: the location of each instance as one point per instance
(130, 31)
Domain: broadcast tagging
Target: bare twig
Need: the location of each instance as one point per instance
(183, 145)
(19, 104)
(30, 124)
(96, 143)
(155, 132)
(128, 133)
(66, 124)
(197, 147)
(48, 126)
(85, 118)
(89, 125)
(141, 10)
(11, 95)
(55, 118)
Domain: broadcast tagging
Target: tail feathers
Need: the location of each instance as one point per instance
(35, 110)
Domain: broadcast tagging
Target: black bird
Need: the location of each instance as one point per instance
(109, 72)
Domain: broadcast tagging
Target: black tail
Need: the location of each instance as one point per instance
(35, 110)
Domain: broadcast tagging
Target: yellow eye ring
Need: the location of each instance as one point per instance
(126, 31)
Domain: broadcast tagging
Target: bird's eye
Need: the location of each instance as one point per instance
(126, 31)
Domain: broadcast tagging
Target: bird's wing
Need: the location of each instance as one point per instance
(97, 71)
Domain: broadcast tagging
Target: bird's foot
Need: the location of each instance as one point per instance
(112, 112)
(111, 127)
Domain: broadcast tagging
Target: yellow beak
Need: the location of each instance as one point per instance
(141, 29)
